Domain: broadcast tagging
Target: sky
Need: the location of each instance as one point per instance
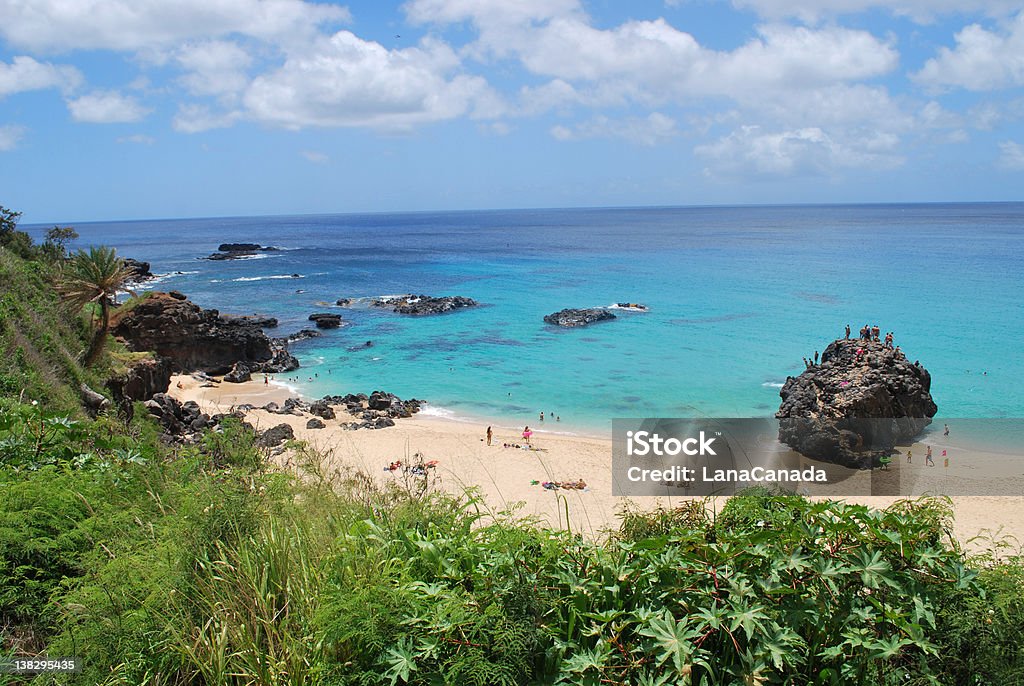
(122, 109)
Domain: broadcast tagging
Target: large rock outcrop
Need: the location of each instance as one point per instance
(571, 318)
(196, 339)
(856, 405)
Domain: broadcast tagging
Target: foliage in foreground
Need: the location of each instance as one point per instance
(198, 566)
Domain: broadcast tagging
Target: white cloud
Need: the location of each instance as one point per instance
(922, 11)
(752, 152)
(489, 13)
(10, 135)
(26, 74)
(982, 60)
(106, 107)
(196, 118)
(214, 68)
(347, 81)
(652, 62)
(654, 129)
(60, 25)
(1011, 156)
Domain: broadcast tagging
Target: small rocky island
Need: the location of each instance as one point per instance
(237, 251)
(423, 304)
(856, 405)
(325, 320)
(572, 318)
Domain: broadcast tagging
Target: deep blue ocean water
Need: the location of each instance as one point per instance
(737, 296)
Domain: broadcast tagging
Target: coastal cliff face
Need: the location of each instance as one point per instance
(141, 380)
(196, 339)
(854, 407)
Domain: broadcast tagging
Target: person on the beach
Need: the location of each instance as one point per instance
(945, 429)
(928, 458)
(266, 380)
(526, 435)
(909, 455)
(489, 435)
(542, 416)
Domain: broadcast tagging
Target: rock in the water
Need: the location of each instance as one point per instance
(239, 247)
(343, 302)
(234, 251)
(856, 405)
(425, 304)
(325, 320)
(315, 423)
(178, 295)
(139, 269)
(571, 318)
(273, 437)
(300, 335)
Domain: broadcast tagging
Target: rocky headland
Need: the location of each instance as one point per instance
(424, 304)
(196, 339)
(572, 318)
(854, 406)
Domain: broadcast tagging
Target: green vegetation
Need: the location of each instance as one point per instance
(198, 565)
(167, 564)
(41, 345)
(93, 278)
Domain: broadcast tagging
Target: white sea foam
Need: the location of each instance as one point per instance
(264, 278)
(282, 384)
(772, 384)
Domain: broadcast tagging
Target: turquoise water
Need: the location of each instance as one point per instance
(737, 297)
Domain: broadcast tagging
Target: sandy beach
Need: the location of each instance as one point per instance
(511, 477)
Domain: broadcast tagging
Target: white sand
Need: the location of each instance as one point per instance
(505, 476)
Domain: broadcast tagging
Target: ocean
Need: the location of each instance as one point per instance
(737, 296)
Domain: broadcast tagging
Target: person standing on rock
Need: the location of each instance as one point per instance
(489, 435)
(815, 357)
(847, 332)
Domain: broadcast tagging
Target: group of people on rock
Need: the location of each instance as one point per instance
(873, 333)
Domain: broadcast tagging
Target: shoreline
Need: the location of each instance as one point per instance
(507, 476)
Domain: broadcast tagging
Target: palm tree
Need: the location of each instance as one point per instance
(94, 277)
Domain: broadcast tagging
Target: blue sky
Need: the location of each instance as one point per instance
(117, 109)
